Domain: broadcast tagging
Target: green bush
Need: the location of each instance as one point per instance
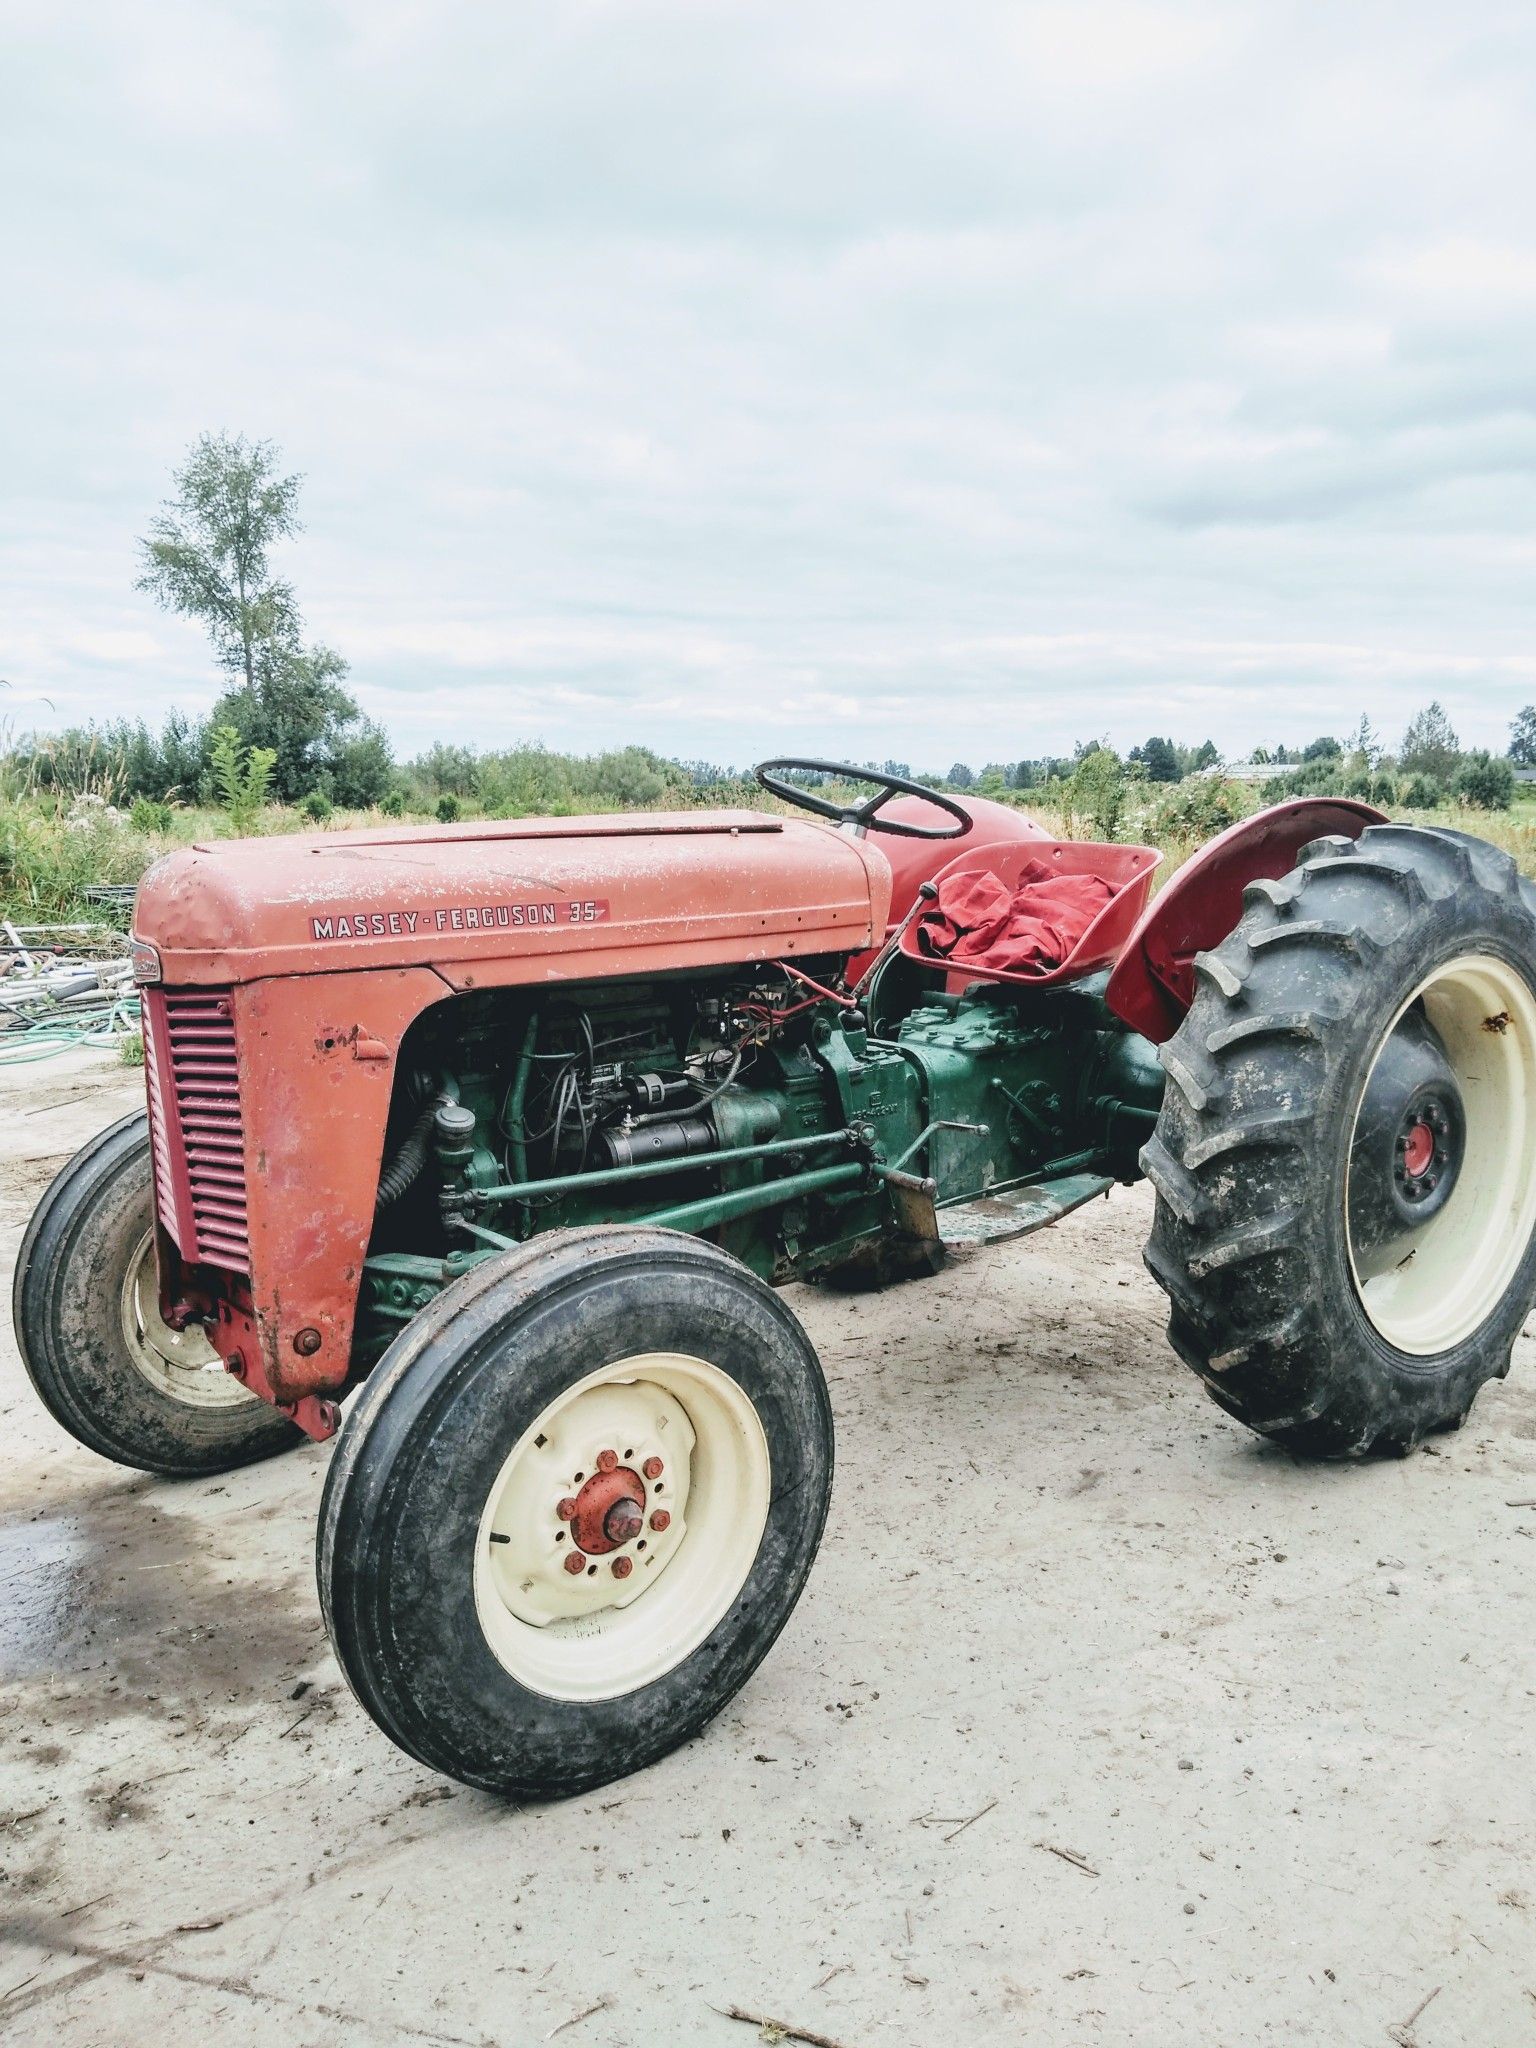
(1422, 793)
(1485, 782)
(448, 810)
(242, 776)
(392, 803)
(1095, 793)
(148, 816)
(1199, 808)
(317, 805)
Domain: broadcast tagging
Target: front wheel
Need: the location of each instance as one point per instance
(88, 1325)
(1345, 1163)
(573, 1507)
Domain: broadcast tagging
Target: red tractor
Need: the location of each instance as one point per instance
(517, 1128)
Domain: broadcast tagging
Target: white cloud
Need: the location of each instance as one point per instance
(929, 383)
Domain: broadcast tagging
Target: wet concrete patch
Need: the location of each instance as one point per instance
(115, 1605)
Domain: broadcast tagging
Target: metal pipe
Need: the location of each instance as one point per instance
(927, 892)
(768, 1194)
(943, 1123)
(612, 1176)
(914, 1183)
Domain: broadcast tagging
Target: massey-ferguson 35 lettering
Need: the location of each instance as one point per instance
(456, 917)
(513, 1131)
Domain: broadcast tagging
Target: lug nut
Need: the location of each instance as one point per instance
(566, 1509)
(607, 1460)
(661, 1520)
(306, 1342)
(575, 1563)
(234, 1365)
(652, 1468)
(622, 1567)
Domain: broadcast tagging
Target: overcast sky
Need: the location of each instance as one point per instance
(925, 381)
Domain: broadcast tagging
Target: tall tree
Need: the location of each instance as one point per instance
(1364, 742)
(207, 552)
(1429, 746)
(207, 555)
(1522, 738)
(1159, 758)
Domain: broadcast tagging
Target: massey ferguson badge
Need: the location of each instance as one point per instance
(461, 917)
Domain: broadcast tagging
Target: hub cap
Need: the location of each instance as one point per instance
(1442, 1172)
(181, 1363)
(622, 1526)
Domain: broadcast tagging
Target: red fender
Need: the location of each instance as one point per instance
(1154, 979)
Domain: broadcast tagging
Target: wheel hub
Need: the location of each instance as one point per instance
(609, 1510)
(1417, 1146)
(1409, 1141)
(592, 1510)
(178, 1362)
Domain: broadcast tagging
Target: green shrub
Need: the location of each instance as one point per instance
(317, 805)
(1199, 808)
(1485, 782)
(1095, 792)
(242, 776)
(148, 816)
(448, 810)
(1421, 793)
(392, 803)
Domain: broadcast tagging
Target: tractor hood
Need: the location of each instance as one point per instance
(523, 900)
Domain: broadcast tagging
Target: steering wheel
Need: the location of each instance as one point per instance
(864, 817)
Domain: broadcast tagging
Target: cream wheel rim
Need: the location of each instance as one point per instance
(1432, 1288)
(179, 1363)
(621, 1527)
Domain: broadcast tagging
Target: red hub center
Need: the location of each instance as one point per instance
(1419, 1152)
(608, 1511)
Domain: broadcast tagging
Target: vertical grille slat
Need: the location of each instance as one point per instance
(197, 1132)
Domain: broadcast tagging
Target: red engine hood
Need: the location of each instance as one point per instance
(528, 899)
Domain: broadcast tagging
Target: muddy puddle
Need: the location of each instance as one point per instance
(114, 1604)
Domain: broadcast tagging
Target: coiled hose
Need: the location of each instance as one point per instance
(404, 1170)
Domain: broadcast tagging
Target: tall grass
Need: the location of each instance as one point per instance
(52, 851)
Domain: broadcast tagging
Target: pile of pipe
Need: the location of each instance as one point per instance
(61, 986)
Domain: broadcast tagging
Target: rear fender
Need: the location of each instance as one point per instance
(1153, 982)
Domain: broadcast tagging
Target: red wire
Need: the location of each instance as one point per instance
(845, 1002)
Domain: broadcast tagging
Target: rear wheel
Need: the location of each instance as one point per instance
(1346, 1159)
(573, 1507)
(88, 1325)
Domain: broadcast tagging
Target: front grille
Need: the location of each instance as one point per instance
(196, 1131)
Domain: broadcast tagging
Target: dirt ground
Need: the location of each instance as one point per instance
(1099, 1722)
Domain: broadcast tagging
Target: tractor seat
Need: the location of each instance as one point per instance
(1126, 870)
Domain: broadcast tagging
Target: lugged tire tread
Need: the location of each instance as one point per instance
(1246, 1072)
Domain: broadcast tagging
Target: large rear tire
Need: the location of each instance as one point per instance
(573, 1507)
(1345, 1163)
(88, 1325)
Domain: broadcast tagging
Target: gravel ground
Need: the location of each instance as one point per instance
(1100, 1722)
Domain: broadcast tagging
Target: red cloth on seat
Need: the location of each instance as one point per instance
(979, 921)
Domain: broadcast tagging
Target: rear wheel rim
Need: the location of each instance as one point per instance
(654, 1471)
(1431, 1288)
(181, 1364)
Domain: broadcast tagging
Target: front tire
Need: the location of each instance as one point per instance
(86, 1311)
(1345, 1163)
(573, 1507)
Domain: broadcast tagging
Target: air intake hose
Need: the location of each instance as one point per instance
(404, 1169)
